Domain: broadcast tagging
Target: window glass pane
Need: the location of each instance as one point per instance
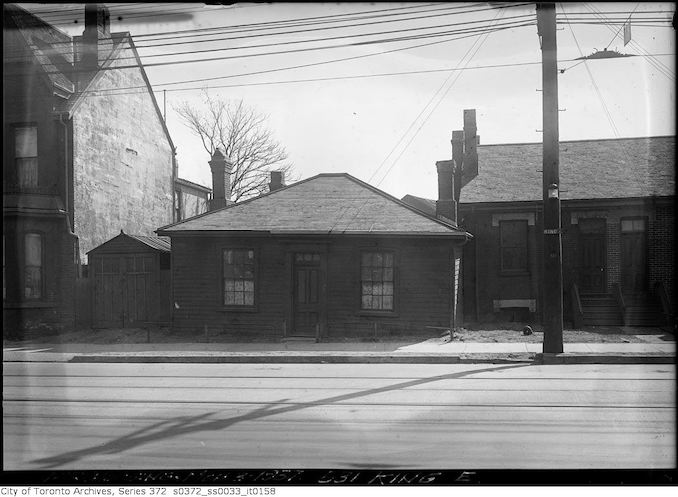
(376, 274)
(27, 172)
(33, 249)
(627, 225)
(238, 276)
(639, 224)
(33, 276)
(388, 303)
(367, 302)
(26, 142)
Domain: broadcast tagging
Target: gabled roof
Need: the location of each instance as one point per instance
(323, 204)
(156, 243)
(195, 186)
(589, 169)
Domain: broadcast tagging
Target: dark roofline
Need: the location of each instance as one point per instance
(326, 175)
(197, 186)
(20, 10)
(136, 238)
(579, 141)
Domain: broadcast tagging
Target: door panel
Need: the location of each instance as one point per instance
(306, 297)
(634, 262)
(592, 256)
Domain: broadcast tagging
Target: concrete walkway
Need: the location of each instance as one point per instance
(429, 351)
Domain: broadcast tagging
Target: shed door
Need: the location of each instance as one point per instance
(123, 290)
(306, 295)
(592, 256)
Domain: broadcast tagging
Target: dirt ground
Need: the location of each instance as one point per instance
(506, 332)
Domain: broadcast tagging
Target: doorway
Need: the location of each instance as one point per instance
(592, 256)
(633, 256)
(307, 298)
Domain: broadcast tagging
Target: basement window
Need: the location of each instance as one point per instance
(239, 277)
(377, 281)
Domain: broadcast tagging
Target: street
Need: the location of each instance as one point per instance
(469, 416)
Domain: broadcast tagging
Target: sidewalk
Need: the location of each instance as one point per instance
(433, 351)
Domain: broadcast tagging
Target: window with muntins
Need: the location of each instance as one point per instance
(513, 246)
(26, 155)
(33, 266)
(239, 277)
(377, 281)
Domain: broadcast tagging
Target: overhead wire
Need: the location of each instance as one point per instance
(593, 82)
(658, 65)
(475, 47)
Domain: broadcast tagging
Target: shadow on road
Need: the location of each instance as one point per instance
(193, 424)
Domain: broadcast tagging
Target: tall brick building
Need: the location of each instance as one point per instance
(82, 159)
(617, 203)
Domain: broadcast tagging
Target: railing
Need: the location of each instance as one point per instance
(619, 297)
(662, 294)
(577, 310)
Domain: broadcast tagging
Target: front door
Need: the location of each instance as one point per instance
(307, 288)
(633, 256)
(592, 256)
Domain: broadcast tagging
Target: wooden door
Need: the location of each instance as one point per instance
(138, 289)
(108, 302)
(306, 296)
(592, 256)
(123, 290)
(633, 256)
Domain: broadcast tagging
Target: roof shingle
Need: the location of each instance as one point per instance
(328, 204)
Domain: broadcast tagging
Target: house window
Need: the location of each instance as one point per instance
(632, 225)
(33, 266)
(239, 277)
(377, 281)
(513, 246)
(26, 155)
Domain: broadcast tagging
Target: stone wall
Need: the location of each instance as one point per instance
(122, 159)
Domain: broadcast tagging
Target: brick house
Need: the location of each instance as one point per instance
(325, 257)
(617, 204)
(81, 160)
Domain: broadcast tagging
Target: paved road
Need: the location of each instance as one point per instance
(468, 416)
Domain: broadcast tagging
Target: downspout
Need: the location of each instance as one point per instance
(475, 267)
(69, 226)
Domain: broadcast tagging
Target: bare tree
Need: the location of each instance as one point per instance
(240, 133)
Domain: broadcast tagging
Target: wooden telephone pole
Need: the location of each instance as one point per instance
(553, 270)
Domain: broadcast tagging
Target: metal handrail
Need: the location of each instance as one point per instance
(619, 297)
(577, 310)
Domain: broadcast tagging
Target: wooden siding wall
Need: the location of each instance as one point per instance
(422, 295)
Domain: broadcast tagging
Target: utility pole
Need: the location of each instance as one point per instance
(553, 269)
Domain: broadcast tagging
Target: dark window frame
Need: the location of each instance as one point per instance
(24, 266)
(513, 271)
(17, 170)
(394, 281)
(255, 280)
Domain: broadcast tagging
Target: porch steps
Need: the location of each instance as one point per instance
(601, 309)
(643, 310)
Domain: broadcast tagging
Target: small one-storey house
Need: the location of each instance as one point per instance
(617, 203)
(324, 257)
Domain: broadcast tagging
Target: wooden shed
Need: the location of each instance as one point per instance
(130, 282)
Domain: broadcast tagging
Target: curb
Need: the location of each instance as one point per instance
(565, 358)
(381, 358)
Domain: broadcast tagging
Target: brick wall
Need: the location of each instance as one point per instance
(122, 161)
(422, 298)
(661, 241)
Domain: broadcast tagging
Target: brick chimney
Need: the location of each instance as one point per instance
(221, 180)
(446, 205)
(96, 38)
(277, 180)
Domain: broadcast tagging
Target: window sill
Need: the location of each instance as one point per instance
(381, 314)
(238, 308)
(514, 273)
(40, 304)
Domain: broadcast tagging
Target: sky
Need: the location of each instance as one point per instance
(390, 130)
